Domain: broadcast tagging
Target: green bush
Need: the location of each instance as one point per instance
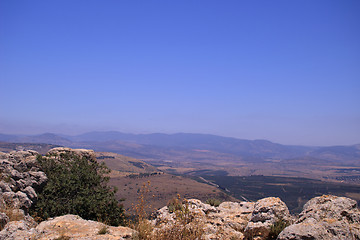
(213, 202)
(77, 185)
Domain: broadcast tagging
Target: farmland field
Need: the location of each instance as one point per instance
(295, 192)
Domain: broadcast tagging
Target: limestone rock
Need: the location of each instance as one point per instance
(326, 217)
(224, 222)
(16, 230)
(24, 156)
(266, 213)
(74, 227)
(20, 178)
(79, 152)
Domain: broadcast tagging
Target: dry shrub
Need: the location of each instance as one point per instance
(14, 213)
(141, 223)
(186, 224)
(277, 228)
(103, 230)
(175, 204)
(213, 202)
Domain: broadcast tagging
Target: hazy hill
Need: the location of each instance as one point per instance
(41, 148)
(123, 164)
(210, 142)
(187, 153)
(48, 138)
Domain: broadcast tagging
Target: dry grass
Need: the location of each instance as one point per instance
(14, 214)
(163, 188)
(186, 225)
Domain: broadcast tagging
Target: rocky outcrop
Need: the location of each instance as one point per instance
(20, 178)
(55, 152)
(229, 219)
(16, 230)
(64, 227)
(266, 213)
(326, 217)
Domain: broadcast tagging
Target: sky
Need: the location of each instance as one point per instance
(285, 71)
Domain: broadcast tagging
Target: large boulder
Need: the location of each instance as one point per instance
(55, 152)
(64, 227)
(326, 217)
(20, 177)
(227, 221)
(267, 212)
(74, 227)
(22, 229)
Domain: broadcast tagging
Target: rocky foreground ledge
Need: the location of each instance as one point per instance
(325, 217)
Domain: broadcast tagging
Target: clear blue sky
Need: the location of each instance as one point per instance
(286, 71)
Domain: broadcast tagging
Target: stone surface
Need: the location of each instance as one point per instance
(74, 227)
(20, 177)
(326, 217)
(224, 222)
(266, 213)
(79, 152)
(16, 230)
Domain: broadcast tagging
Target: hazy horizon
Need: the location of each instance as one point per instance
(284, 71)
(64, 134)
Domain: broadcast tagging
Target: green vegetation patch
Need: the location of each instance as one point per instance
(77, 185)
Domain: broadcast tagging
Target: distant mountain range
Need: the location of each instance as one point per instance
(165, 146)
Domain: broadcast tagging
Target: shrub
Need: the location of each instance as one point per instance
(103, 230)
(13, 212)
(186, 226)
(213, 202)
(277, 228)
(175, 204)
(77, 185)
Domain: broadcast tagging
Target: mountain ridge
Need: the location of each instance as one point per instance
(168, 146)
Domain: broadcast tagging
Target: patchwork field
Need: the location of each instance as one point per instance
(295, 192)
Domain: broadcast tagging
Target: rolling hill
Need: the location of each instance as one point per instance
(188, 153)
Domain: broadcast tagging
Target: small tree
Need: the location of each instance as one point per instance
(77, 185)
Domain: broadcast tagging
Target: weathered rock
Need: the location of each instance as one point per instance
(74, 227)
(20, 178)
(30, 193)
(24, 201)
(4, 187)
(38, 179)
(232, 215)
(224, 222)
(266, 213)
(16, 230)
(24, 156)
(326, 217)
(79, 152)
(330, 207)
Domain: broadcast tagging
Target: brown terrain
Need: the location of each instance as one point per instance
(130, 176)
